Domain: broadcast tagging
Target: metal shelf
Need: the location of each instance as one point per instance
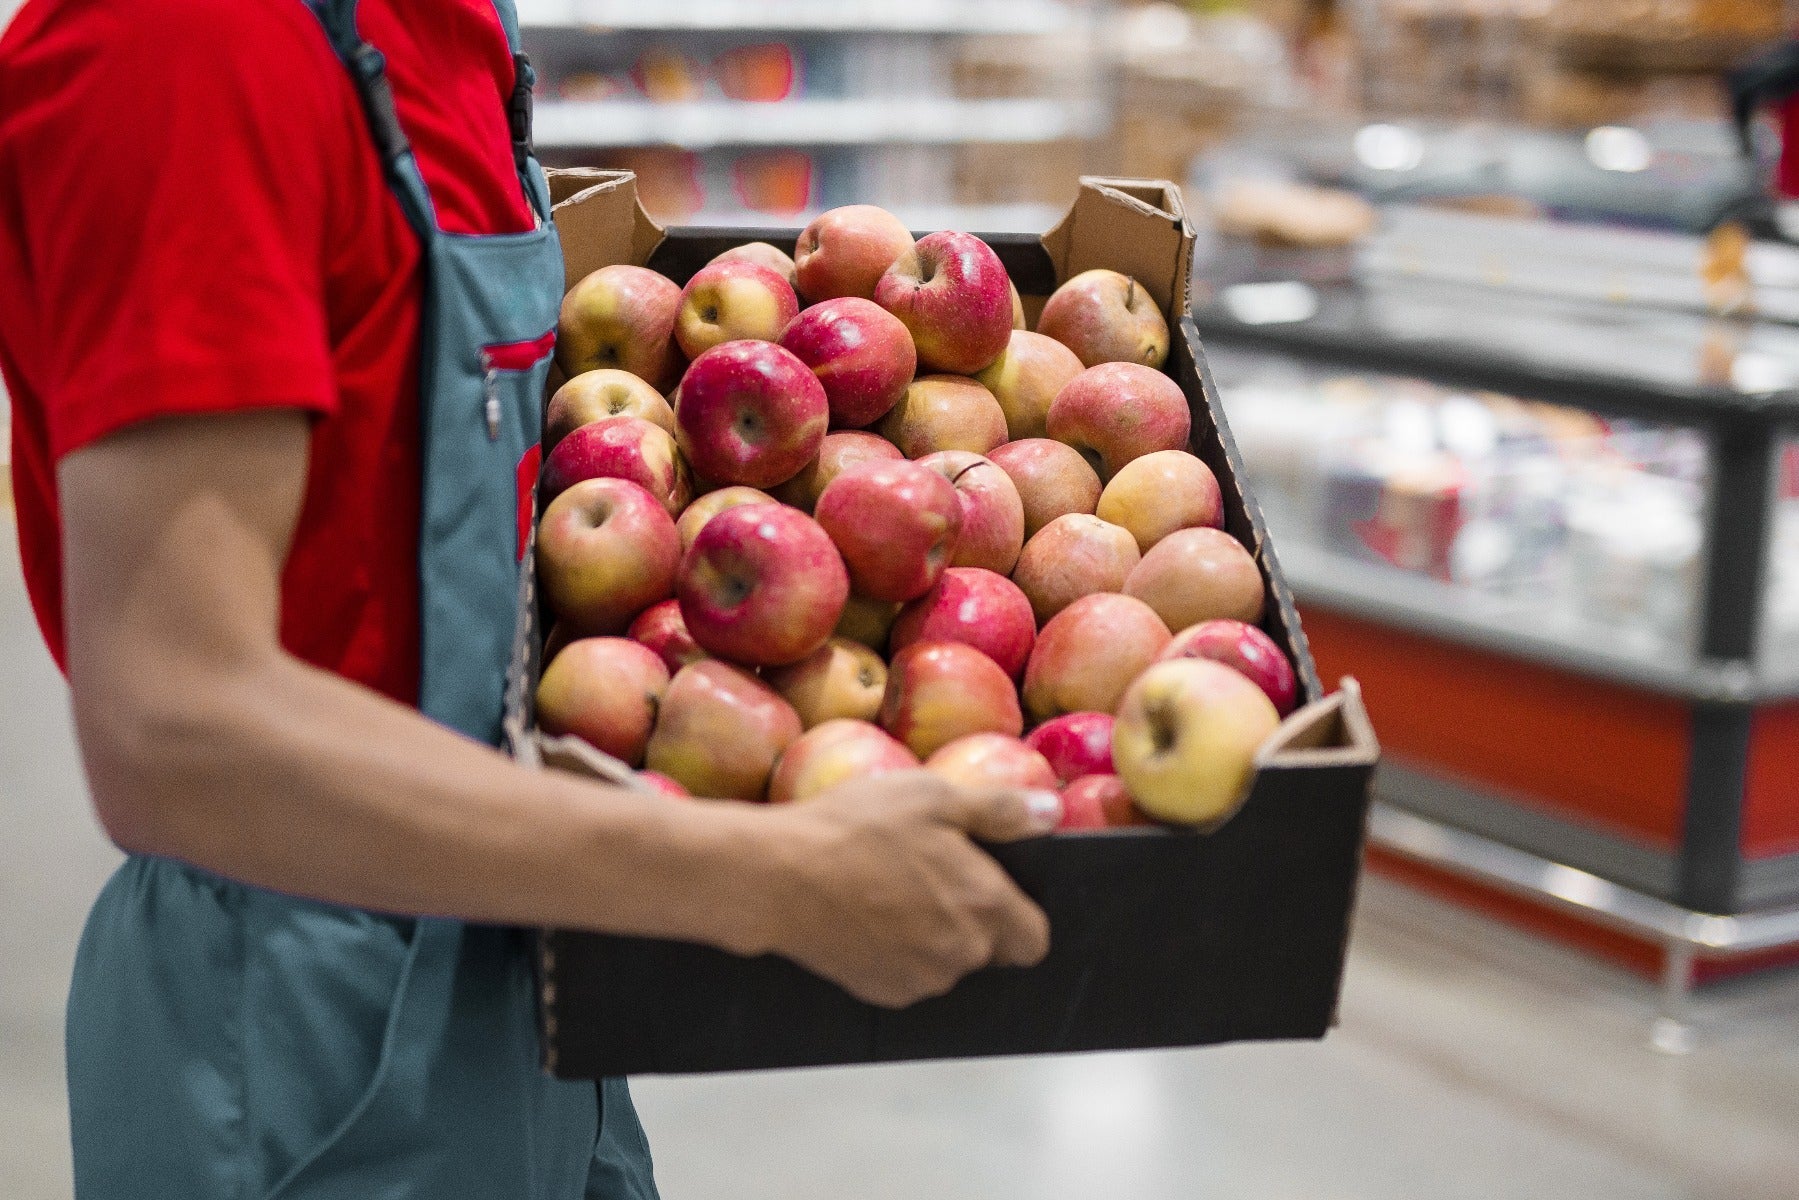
(571, 125)
(919, 17)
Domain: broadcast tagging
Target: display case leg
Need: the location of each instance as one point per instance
(1672, 1032)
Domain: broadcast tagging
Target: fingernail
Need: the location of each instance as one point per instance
(1045, 809)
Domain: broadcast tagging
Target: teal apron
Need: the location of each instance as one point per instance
(228, 1043)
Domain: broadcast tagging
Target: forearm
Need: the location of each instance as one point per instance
(285, 777)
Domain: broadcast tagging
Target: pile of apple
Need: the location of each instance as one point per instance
(920, 529)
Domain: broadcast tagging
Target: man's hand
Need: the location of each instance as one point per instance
(887, 896)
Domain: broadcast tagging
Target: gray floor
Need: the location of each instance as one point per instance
(1472, 1063)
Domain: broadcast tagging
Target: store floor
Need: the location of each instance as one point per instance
(1473, 1063)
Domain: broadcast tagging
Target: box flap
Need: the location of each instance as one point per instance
(1334, 732)
(1137, 226)
(600, 221)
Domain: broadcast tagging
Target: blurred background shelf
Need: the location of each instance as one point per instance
(923, 17)
(570, 125)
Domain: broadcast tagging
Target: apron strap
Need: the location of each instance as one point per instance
(368, 71)
(518, 111)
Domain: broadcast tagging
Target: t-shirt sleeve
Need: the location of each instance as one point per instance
(175, 195)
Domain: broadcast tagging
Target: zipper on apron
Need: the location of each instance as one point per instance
(508, 357)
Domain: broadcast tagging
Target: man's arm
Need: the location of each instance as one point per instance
(204, 741)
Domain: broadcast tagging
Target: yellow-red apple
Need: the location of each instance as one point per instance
(733, 301)
(1159, 493)
(1103, 317)
(1076, 744)
(720, 731)
(1117, 412)
(840, 679)
(991, 760)
(861, 354)
(624, 318)
(836, 454)
(1053, 480)
(761, 585)
(895, 524)
(763, 255)
(661, 628)
(992, 514)
(845, 251)
(750, 413)
(1089, 654)
(1025, 379)
(1100, 801)
(1195, 575)
(977, 608)
(703, 508)
(940, 691)
(621, 448)
(1245, 649)
(945, 412)
(868, 621)
(604, 691)
(1073, 556)
(952, 292)
(1186, 740)
(832, 754)
(595, 395)
(606, 550)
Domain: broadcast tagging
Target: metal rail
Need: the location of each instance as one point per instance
(1686, 936)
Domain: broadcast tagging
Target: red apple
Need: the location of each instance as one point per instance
(595, 395)
(750, 413)
(833, 754)
(1053, 480)
(974, 607)
(732, 301)
(845, 251)
(1161, 492)
(1186, 740)
(606, 550)
(861, 354)
(991, 760)
(660, 628)
(1076, 744)
(621, 448)
(1082, 809)
(1245, 649)
(895, 524)
(841, 679)
(992, 514)
(624, 318)
(605, 691)
(1071, 557)
(952, 293)
(763, 255)
(1088, 655)
(720, 731)
(1195, 575)
(662, 783)
(1106, 317)
(762, 585)
(1106, 796)
(868, 621)
(836, 454)
(703, 508)
(1025, 379)
(1117, 412)
(940, 691)
(945, 412)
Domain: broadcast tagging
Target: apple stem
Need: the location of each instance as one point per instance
(1161, 727)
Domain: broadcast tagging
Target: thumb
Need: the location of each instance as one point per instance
(1001, 816)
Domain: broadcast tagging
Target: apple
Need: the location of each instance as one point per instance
(991, 760)
(940, 691)
(1245, 649)
(555, 642)
(1025, 379)
(1073, 556)
(1053, 480)
(761, 585)
(951, 291)
(750, 413)
(703, 508)
(1195, 575)
(839, 679)
(836, 454)
(1018, 321)
(1088, 655)
(1109, 795)
(662, 783)
(1186, 740)
(861, 354)
(977, 608)
(623, 318)
(992, 514)
(595, 395)
(945, 412)
(1103, 317)
(868, 621)
(732, 301)
(1117, 412)
(835, 753)
(606, 550)
(621, 448)
(1076, 744)
(845, 251)
(763, 255)
(1082, 808)
(1159, 493)
(895, 524)
(604, 691)
(661, 629)
(720, 731)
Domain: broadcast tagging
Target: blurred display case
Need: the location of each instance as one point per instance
(1558, 540)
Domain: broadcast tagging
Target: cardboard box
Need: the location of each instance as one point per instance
(1160, 937)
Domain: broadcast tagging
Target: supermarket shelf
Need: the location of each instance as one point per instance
(570, 125)
(984, 218)
(1512, 627)
(921, 17)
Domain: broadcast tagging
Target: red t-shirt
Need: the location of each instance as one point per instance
(193, 220)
